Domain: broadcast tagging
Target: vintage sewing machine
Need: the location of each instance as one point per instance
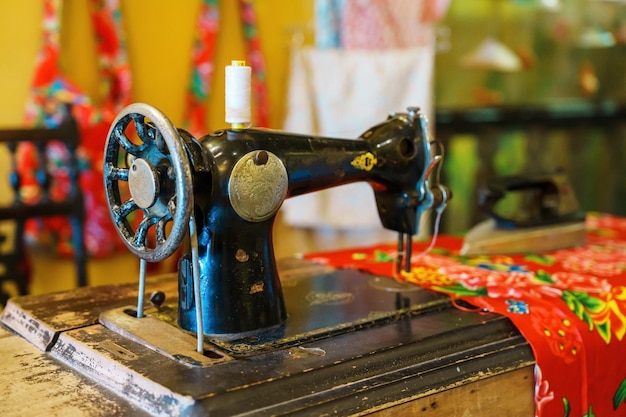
(230, 334)
(233, 182)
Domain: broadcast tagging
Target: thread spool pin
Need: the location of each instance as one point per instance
(238, 86)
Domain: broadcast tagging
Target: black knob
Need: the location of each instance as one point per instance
(157, 298)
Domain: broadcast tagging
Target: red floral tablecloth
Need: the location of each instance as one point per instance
(569, 304)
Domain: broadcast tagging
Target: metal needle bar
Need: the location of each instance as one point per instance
(408, 254)
(195, 268)
(142, 287)
(400, 252)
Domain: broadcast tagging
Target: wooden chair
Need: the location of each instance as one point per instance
(14, 264)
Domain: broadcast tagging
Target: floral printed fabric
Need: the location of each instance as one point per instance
(384, 24)
(569, 304)
(203, 56)
(50, 88)
(202, 67)
(261, 110)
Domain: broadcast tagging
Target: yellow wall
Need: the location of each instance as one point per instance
(160, 35)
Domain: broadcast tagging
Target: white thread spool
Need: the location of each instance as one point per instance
(238, 81)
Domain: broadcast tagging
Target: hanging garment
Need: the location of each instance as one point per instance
(341, 94)
(203, 56)
(385, 65)
(385, 24)
(50, 89)
(328, 14)
(376, 24)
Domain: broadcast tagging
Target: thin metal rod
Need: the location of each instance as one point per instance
(408, 252)
(400, 252)
(142, 287)
(195, 268)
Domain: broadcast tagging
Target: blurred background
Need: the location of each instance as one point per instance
(511, 86)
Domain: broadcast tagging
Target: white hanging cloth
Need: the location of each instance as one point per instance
(342, 93)
(385, 65)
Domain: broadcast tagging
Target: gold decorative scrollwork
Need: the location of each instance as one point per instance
(366, 162)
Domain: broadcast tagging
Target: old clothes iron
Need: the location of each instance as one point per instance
(548, 218)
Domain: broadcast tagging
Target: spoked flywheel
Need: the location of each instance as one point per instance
(148, 182)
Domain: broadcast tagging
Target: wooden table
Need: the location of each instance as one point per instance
(354, 344)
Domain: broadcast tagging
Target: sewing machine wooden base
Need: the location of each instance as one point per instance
(354, 344)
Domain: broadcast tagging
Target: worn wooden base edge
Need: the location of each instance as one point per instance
(504, 395)
(364, 371)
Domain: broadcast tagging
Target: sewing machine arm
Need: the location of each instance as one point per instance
(230, 184)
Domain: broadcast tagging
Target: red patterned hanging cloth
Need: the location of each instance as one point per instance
(255, 59)
(50, 89)
(569, 304)
(203, 57)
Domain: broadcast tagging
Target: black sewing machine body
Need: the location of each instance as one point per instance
(231, 184)
(242, 180)
(312, 341)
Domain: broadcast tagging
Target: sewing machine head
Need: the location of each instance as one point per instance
(218, 196)
(213, 201)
